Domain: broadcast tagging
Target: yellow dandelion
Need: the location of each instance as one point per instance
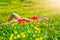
(23, 36)
(11, 37)
(15, 37)
(34, 35)
(36, 28)
(39, 38)
(22, 33)
(37, 31)
(18, 36)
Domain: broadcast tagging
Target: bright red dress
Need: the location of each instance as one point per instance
(34, 18)
(20, 20)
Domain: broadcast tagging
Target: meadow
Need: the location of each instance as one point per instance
(34, 30)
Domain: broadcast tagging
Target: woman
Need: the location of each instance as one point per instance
(19, 19)
(22, 20)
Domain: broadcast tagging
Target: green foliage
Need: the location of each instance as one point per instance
(34, 30)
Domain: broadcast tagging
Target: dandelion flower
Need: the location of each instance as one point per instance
(39, 38)
(11, 37)
(18, 36)
(34, 35)
(22, 33)
(36, 28)
(23, 36)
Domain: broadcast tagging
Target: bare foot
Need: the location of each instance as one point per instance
(44, 18)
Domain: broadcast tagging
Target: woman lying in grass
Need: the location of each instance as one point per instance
(22, 20)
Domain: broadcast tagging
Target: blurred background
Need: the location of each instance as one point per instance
(27, 8)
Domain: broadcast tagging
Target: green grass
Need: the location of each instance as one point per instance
(34, 30)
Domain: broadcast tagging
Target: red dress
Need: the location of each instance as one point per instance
(34, 18)
(20, 20)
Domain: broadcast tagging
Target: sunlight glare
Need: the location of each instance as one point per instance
(54, 3)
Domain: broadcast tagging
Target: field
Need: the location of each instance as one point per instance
(34, 30)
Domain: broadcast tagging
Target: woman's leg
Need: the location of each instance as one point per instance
(13, 15)
(44, 18)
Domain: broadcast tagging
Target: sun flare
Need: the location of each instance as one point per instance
(54, 3)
